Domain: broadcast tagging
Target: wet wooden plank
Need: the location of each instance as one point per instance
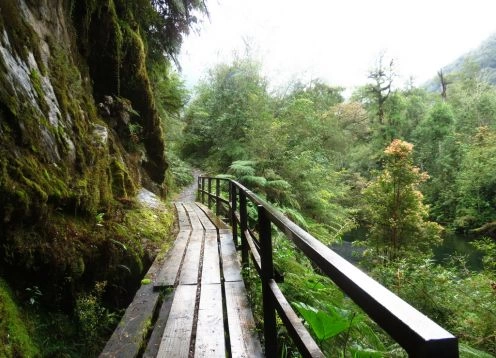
(213, 218)
(177, 333)
(204, 219)
(243, 337)
(130, 334)
(191, 263)
(211, 264)
(168, 273)
(159, 327)
(210, 341)
(230, 261)
(182, 217)
(193, 216)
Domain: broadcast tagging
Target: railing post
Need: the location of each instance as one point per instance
(209, 183)
(217, 199)
(203, 191)
(243, 224)
(198, 187)
(270, 328)
(234, 224)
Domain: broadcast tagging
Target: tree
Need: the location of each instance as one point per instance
(476, 181)
(382, 77)
(444, 82)
(395, 212)
(231, 101)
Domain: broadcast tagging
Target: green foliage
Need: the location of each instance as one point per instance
(94, 319)
(476, 181)
(232, 101)
(15, 340)
(456, 298)
(488, 247)
(325, 324)
(395, 210)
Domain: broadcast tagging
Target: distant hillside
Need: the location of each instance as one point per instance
(484, 56)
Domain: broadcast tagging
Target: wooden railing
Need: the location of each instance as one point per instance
(416, 333)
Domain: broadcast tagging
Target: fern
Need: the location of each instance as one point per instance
(241, 168)
(253, 180)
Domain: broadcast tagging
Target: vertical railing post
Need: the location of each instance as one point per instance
(243, 224)
(234, 224)
(198, 187)
(217, 196)
(270, 328)
(203, 191)
(209, 183)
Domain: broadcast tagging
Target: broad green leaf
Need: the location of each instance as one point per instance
(324, 325)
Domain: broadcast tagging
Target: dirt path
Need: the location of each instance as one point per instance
(188, 195)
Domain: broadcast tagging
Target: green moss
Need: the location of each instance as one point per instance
(14, 337)
(122, 183)
(22, 37)
(36, 82)
(153, 224)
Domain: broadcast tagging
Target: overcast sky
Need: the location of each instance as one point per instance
(338, 40)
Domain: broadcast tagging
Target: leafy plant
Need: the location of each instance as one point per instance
(324, 324)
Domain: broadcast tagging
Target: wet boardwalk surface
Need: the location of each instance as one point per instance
(196, 303)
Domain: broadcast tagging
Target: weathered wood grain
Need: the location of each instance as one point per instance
(211, 264)
(213, 218)
(244, 340)
(210, 341)
(230, 262)
(193, 216)
(130, 334)
(204, 219)
(182, 217)
(177, 333)
(191, 263)
(158, 329)
(168, 273)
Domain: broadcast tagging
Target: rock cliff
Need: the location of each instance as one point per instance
(79, 134)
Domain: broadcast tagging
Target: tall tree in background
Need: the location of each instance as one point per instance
(395, 210)
(382, 77)
(228, 104)
(443, 81)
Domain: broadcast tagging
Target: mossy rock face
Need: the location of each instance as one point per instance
(116, 56)
(60, 163)
(51, 158)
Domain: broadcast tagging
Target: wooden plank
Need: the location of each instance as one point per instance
(191, 263)
(244, 340)
(230, 263)
(211, 264)
(182, 217)
(193, 216)
(130, 334)
(177, 333)
(210, 341)
(172, 263)
(204, 219)
(159, 327)
(213, 218)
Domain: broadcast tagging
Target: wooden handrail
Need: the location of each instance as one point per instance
(415, 332)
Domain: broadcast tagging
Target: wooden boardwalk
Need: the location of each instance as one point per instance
(196, 304)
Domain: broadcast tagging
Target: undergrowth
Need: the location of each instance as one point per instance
(105, 259)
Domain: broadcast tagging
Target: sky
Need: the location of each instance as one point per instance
(337, 41)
